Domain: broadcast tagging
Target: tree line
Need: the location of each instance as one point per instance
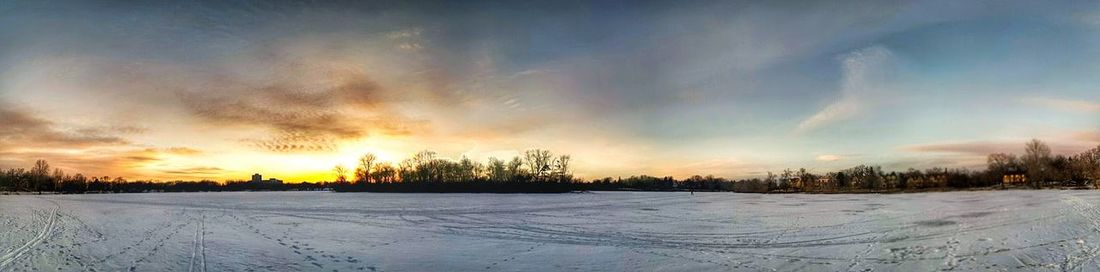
(536, 171)
(540, 171)
(42, 178)
(1036, 168)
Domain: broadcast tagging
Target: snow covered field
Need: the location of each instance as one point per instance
(616, 231)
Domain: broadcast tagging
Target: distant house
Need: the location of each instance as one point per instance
(794, 183)
(1014, 177)
(824, 182)
(937, 180)
(820, 183)
(890, 180)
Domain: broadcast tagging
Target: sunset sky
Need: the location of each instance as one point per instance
(222, 89)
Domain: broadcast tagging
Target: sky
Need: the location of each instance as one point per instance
(222, 89)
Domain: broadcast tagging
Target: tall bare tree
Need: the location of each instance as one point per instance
(40, 174)
(341, 173)
(498, 172)
(1088, 165)
(1037, 160)
(539, 162)
(384, 172)
(366, 163)
(515, 169)
(561, 168)
(998, 164)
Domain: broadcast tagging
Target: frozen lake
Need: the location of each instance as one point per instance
(605, 231)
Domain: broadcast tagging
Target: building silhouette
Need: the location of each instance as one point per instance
(259, 179)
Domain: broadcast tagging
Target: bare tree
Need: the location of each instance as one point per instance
(1037, 160)
(561, 168)
(538, 161)
(1088, 165)
(341, 173)
(40, 174)
(498, 172)
(998, 164)
(57, 178)
(467, 169)
(366, 163)
(515, 169)
(384, 172)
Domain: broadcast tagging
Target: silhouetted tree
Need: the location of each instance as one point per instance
(498, 172)
(40, 173)
(384, 172)
(1087, 164)
(538, 162)
(341, 174)
(1037, 160)
(366, 164)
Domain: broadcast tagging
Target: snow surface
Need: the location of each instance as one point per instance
(616, 231)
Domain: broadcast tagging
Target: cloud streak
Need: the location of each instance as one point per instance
(1063, 104)
(860, 88)
(196, 171)
(308, 105)
(23, 129)
(983, 148)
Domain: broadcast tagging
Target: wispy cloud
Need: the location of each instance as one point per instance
(97, 161)
(983, 148)
(182, 151)
(195, 171)
(829, 157)
(1063, 104)
(1092, 136)
(307, 105)
(24, 129)
(863, 72)
(975, 147)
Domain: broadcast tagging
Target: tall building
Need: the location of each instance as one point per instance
(257, 178)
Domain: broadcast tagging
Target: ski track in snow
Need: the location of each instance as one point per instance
(1004, 230)
(198, 248)
(10, 257)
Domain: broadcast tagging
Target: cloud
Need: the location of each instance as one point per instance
(828, 157)
(969, 161)
(294, 141)
(860, 88)
(1092, 136)
(307, 106)
(1089, 18)
(23, 129)
(727, 167)
(283, 108)
(989, 147)
(977, 147)
(196, 171)
(25, 137)
(97, 161)
(1063, 104)
(182, 151)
